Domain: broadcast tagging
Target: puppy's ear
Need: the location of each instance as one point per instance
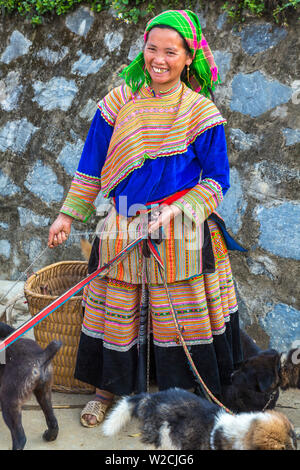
(264, 381)
(267, 376)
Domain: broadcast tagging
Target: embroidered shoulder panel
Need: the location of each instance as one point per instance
(146, 126)
(111, 104)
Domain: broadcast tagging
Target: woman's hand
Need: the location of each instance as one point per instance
(167, 213)
(60, 230)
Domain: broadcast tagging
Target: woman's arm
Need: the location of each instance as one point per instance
(85, 185)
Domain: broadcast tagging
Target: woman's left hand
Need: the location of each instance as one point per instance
(167, 213)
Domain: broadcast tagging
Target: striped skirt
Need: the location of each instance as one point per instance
(206, 309)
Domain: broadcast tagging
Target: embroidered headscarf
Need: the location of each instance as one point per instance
(203, 74)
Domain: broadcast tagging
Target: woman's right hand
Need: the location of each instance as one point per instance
(60, 230)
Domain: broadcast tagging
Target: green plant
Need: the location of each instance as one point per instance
(39, 11)
(277, 9)
(129, 10)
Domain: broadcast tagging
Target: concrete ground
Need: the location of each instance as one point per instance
(73, 436)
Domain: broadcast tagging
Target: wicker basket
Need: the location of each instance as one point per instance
(64, 324)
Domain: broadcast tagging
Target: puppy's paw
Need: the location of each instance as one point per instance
(50, 434)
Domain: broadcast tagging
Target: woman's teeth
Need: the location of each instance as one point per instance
(157, 70)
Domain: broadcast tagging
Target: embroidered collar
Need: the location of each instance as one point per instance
(147, 91)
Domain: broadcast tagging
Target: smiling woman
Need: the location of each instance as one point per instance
(157, 142)
(165, 58)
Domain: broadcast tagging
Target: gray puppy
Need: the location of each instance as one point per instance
(27, 370)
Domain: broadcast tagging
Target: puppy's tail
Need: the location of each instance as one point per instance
(49, 352)
(126, 409)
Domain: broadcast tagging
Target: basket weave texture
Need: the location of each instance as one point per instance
(63, 324)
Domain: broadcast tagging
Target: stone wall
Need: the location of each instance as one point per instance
(51, 78)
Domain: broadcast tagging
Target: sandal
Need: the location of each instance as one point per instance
(95, 408)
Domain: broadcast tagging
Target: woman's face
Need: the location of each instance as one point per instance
(165, 58)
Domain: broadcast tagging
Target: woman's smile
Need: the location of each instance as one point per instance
(159, 70)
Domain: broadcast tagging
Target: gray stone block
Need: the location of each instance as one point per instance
(80, 22)
(260, 37)
(234, 203)
(280, 229)
(243, 141)
(7, 186)
(28, 217)
(18, 45)
(16, 135)
(254, 94)
(86, 65)
(32, 248)
(70, 155)
(5, 248)
(10, 91)
(57, 93)
(223, 61)
(283, 326)
(50, 56)
(292, 136)
(42, 181)
(113, 40)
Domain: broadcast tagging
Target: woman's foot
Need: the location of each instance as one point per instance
(94, 411)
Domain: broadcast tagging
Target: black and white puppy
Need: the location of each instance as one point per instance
(27, 369)
(176, 419)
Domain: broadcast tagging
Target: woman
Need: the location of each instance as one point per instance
(150, 142)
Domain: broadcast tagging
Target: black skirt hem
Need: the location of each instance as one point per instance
(124, 373)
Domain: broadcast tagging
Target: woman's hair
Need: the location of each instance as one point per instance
(165, 26)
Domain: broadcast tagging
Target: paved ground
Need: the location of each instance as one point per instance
(73, 436)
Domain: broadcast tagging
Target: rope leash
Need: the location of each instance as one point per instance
(179, 330)
(25, 272)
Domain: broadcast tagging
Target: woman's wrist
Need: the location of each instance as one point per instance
(66, 217)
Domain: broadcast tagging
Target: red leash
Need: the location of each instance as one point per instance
(29, 324)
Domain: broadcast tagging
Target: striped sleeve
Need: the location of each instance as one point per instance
(82, 193)
(201, 200)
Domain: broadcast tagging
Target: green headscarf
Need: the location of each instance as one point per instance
(203, 75)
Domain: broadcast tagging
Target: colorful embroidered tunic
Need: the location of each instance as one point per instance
(127, 152)
(147, 147)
